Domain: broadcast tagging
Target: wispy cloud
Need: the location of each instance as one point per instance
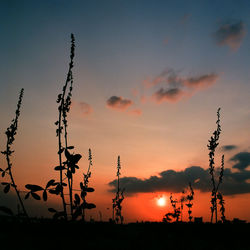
(202, 81)
(176, 87)
(230, 34)
(86, 109)
(82, 109)
(135, 112)
(168, 95)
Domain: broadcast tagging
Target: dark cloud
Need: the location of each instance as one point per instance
(118, 103)
(176, 181)
(169, 95)
(242, 160)
(228, 147)
(230, 34)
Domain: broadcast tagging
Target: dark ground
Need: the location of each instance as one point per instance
(61, 235)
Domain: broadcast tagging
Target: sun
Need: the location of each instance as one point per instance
(161, 202)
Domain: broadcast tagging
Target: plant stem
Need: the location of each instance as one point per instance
(12, 178)
(59, 151)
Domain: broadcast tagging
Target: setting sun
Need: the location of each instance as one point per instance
(161, 202)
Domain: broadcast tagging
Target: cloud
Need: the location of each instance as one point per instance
(86, 109)
(169, 95)
(81, 109)
(168, 76)
(202, 81)
(135, 112)
(228, 147)
(176, 181)
(242, 160)
(119, 103)
(230, 34)
(176, 87)
(123, 105)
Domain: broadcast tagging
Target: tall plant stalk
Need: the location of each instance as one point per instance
(213, 143)
(10, 133)
(117, 208)
(86, 184)
(63, 108)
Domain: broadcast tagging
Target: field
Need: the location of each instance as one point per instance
(47, 234)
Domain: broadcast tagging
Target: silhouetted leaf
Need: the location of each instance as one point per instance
(1, 170)
(83, 194)
(45, 196)
(27, 196)
(5, 183)
(6, 188)
(67, 154)
(88, 189)
(73, 159)
(77, 199)
(50, 183)
(61, 150)
(33, 188)
(52, 210)
(58, 215)
(76, 158)
(88, 205)
(77, 213)
(54, 191)
(59, 168)
(69, 174)
(3, 173)
(70, 147)
(35, 196)
(6, 210)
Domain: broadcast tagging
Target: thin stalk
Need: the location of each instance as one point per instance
(86, 185)
(60, 158)
(12, 179)
(63, 109)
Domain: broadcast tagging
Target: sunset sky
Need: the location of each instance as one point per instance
(149, 77)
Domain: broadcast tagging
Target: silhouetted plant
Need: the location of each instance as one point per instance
(182, 200)
(213, 143)
(68, 164)
(117, 201)
(177, 210)
(10, 134)
(79, 207)
(190, 198)
(222, 206)
(64, 100)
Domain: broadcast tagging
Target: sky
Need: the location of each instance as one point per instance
(149, 77)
